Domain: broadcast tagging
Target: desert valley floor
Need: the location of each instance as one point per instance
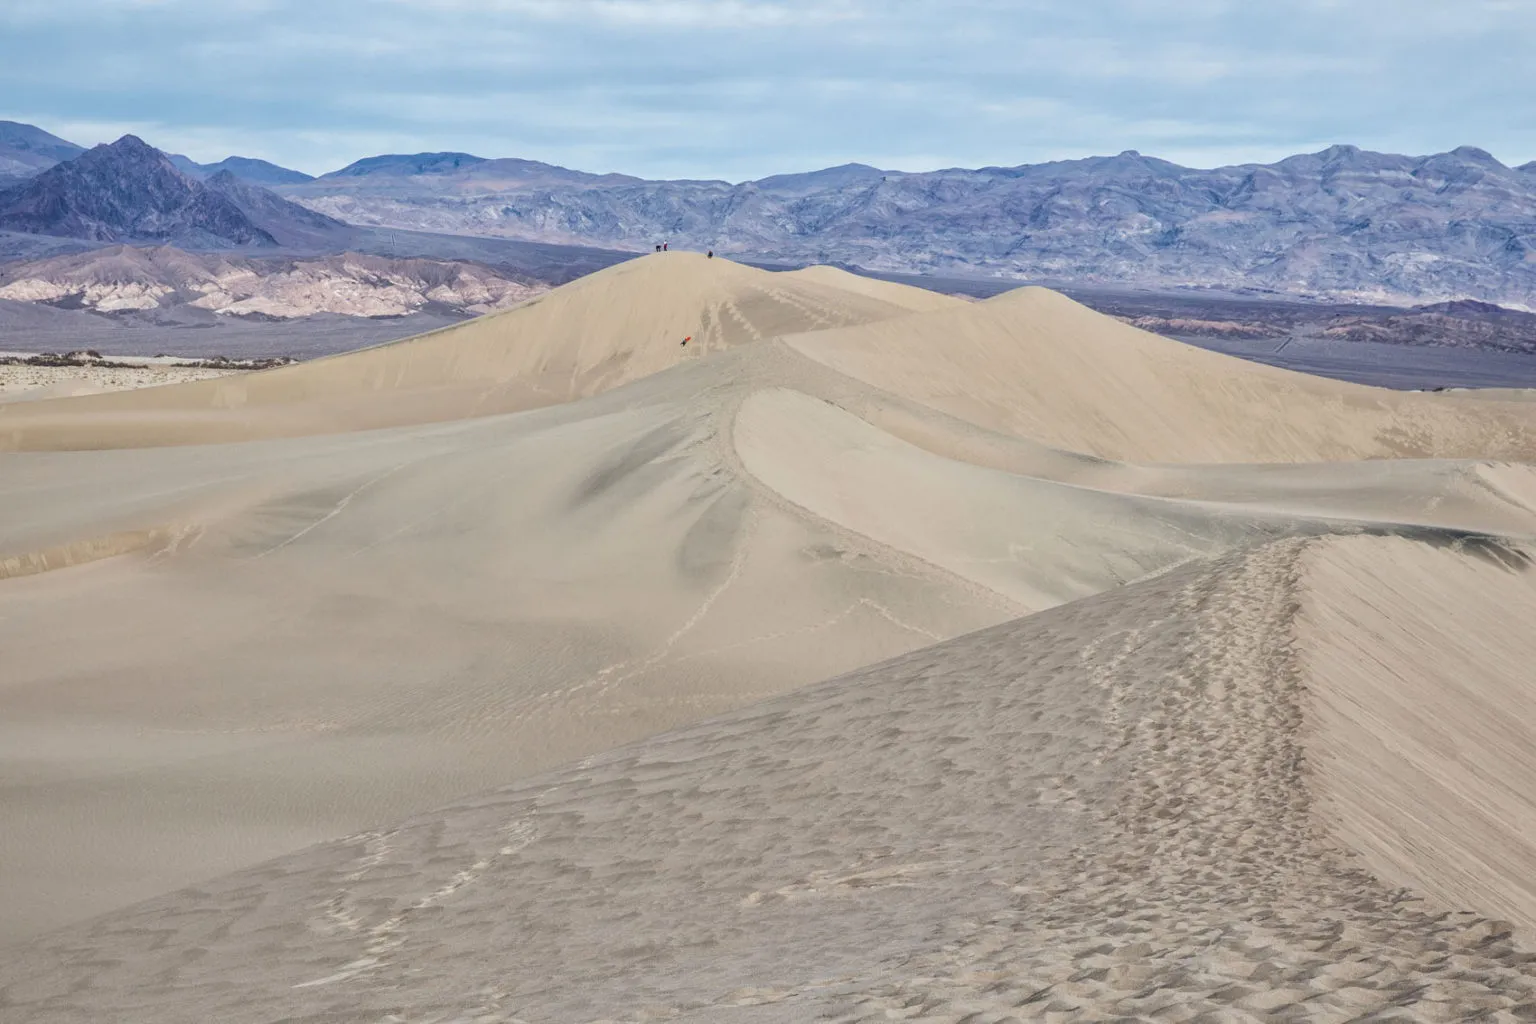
(873, 655)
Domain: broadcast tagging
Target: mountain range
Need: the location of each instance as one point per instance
(1340, 224)
(131, 192)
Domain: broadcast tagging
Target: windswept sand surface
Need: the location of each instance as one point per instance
(1098, 812)
(1241, 737)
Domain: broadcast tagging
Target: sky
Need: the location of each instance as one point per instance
(740, 89)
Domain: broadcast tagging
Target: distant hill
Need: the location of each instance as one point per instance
(129, 191)
(457, 170)
(257, 172)
(404, 165)
(831, 177)
(26, 150)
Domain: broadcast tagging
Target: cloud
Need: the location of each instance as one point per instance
(739, 88)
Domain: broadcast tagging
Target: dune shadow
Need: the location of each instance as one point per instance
(1489, 548)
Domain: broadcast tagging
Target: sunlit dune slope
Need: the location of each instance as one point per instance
(1035, 364)
(1103, 811)
(610, 328)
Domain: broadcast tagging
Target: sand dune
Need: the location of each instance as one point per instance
(1175, 774)
(1034, 363)
(367, 624)
(616, 326)
(916, 300)
(1098, 812)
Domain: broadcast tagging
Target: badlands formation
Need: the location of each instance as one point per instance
(479, 676)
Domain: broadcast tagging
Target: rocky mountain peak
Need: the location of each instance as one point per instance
(129, 191)
(126, 191)
(1474, 155)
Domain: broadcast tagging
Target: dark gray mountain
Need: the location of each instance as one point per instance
(257, 172)
(126, 191)
(1340, 223)
(129, 191)
(26, 150)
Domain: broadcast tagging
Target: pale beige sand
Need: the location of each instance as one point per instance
(315, 636)
(311, 635)
(215, 654)
(916, 300)
(1100, 812)
(1040, 534)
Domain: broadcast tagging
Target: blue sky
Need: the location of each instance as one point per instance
(745, 88)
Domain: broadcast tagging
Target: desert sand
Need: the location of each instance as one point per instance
(1163, 686)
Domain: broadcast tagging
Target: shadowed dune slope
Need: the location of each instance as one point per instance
(1035, 364)
(1102, 811)
(610, 328)
(1420, 665)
